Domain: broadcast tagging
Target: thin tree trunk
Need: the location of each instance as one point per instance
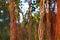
(35, 34)
(30, 26)
(30, 22)
(41, 22)
(13, 26)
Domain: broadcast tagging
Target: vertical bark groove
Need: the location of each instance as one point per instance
(13, 26)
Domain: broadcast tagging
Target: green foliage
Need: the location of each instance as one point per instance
(17, 9)
(37, 2)
(6, 20)
(33, 8)
(5, 36)
(36, 17)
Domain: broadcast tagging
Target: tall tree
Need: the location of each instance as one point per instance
(48, 21)
(58, 21)
(13, 26)
(41, 22)
(52, 18)
(30, 21)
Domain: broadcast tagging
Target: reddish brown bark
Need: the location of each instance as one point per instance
(58, 21)
(48, 21)
(53, 25)
(13, 26)
(48, 26)
(41, 21)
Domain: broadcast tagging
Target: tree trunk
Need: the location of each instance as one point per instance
(53, 26)
(48, 21)
(58, 21)
(13, 26)
(30, 26)
(41, 22)
(35, 34)
(30, 22)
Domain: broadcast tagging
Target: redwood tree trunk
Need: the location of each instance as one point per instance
(58, 21)
(13, 26)
(48, 22)
(41, 22)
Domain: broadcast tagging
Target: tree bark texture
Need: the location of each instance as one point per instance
(13, 26)
(41, 22)
(58, 21)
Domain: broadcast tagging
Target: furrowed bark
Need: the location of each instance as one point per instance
(41, 23)
(13, 26)
(58, 21)
(48, 21)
